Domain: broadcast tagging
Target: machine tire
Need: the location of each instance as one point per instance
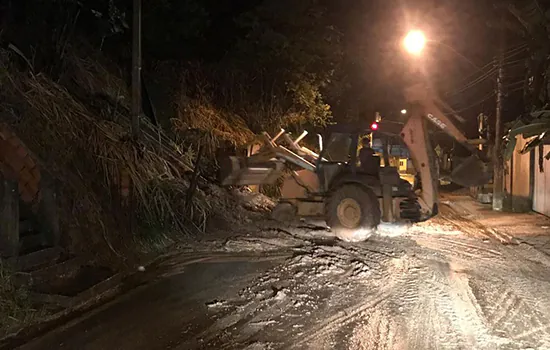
(284, 212)
(352, 212)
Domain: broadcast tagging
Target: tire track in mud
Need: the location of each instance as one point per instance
(516, 309)
(445, 310)
(434, 315)
(444, 293)
(385, 327)
(419, 305)
(433, 307)
(514, 286)
(415, 310)
(470, 252)
(509, 284)
(343, 318)
(379, 331)
(472, 228)
(373, 322)
(389, 271)
(312, 279)
(481, 249)
(459, 304)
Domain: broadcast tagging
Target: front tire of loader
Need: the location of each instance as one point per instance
(352, 212)
(284, 212)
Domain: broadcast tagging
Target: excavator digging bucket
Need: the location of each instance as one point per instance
(472, 172)
(235, 171)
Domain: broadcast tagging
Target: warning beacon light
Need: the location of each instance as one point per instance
(374, 126)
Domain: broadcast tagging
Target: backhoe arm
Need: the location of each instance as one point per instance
(415, 135)
(425, 105)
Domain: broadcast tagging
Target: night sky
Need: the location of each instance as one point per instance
(372, 30)
(462, 38)
(376, 67)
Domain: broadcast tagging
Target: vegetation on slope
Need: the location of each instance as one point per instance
(64, 69)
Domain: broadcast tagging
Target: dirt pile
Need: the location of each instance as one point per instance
(78, 126)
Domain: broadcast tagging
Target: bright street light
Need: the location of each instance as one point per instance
(403, 111)
(414, 42)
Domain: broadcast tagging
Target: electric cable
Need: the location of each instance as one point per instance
(507, 55)
(485, 98)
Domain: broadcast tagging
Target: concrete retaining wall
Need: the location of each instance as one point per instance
(17, 163)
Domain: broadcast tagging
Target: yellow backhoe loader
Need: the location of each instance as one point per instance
(332, 185)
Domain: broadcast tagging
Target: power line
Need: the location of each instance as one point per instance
(472, 83)
(480, 79)
(487, 97)
(490, 95)
(508, 54)
(490, 64)
(513, 52)
(513, 84)
(517, 89)
(511, 63)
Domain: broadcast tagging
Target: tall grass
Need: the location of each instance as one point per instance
(84, 141)
(15, 306)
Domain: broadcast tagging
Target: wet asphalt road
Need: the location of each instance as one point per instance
(440, 287)
(162, 315)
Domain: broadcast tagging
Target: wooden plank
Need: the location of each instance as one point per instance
(288, 155)
(9, 218)
(267, 140)
(291, 143)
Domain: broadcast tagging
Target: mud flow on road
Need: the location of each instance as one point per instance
(439, 285)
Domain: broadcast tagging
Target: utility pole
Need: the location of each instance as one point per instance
(481, 128)
(498, 178)
(136, 70)
(136, 105)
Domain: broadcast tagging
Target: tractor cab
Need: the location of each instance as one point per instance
(339, 161)
(339, 156)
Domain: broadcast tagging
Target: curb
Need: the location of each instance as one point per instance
(94, 297)
(112, 288)
(86, 301)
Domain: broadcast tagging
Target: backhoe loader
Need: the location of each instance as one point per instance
(332, 185)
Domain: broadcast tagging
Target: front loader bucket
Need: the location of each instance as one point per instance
(471, 172)
(236, 171)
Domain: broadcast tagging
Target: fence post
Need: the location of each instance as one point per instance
(49, 209)
(9, 217)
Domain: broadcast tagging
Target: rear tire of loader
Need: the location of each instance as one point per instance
(352, 212)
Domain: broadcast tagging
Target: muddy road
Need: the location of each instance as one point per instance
(442, 285)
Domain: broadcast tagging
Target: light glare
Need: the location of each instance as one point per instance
(414, 42)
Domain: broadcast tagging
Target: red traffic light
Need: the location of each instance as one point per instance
(374, 126)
